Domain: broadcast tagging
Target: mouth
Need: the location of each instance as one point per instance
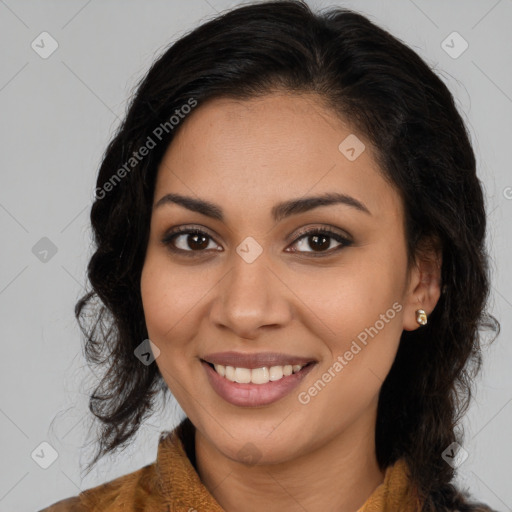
(249, 383)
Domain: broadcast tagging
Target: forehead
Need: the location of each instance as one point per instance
(270, 148)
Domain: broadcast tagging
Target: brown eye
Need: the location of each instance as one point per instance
(191, 240)
(319, 240)
(196, 241)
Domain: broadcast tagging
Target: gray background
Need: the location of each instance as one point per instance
(57, 115)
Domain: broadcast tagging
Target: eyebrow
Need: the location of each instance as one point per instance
(278, 212)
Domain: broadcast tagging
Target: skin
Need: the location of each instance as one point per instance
(246, 156)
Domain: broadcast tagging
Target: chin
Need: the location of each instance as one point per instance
(276, 444)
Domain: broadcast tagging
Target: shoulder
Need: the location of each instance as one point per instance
(110, 496)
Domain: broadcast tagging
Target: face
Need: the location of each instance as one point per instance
(324, 284)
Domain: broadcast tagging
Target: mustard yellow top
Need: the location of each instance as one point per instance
(172, 484)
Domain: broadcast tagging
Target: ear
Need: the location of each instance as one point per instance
(424, 283)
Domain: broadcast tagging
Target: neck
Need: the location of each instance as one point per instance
(339, 475)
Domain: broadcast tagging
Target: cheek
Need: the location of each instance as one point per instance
(157, 296)
(365, 325)
(168, 293)
(169, 296)
(360, 307)
(352, 296)
(174, 299)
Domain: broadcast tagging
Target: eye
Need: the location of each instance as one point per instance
(320, 239)
(187, 240)
(193, 240)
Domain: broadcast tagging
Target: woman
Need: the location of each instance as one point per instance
(290, 212)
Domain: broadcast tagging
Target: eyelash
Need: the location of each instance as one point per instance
(171, 235)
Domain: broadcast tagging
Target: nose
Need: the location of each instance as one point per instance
(251, 298)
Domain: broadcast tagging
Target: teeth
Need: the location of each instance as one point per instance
(230, 373)
(221, 370)
(242, 375)
(256, 375)
(276, 373)
(259, 375)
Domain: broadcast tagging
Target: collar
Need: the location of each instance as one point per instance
(394, 493)
(179, 480)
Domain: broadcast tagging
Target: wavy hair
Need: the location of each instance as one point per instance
(385, 90)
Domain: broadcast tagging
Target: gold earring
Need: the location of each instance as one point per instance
(421, 316)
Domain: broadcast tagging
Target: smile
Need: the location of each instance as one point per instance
(253, 387)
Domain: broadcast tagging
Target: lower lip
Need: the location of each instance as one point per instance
(254, 395)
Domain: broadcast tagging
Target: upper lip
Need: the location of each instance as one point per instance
(255, 360)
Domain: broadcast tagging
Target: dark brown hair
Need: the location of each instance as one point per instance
(385, 90)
